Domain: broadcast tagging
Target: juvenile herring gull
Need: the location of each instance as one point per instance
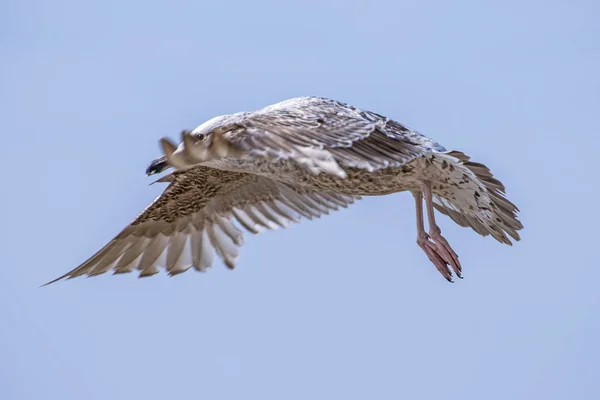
(302, 157)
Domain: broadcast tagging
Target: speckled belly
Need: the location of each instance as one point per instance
(359, 181)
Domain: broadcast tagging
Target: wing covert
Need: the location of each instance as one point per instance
(354, 138)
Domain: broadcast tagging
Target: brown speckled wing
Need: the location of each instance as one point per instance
(350, 136)
(194, 218)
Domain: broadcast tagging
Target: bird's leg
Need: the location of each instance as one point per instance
(435, 233)
(427, 245)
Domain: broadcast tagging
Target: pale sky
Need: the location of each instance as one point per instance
(345, 307)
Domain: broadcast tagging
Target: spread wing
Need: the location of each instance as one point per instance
(194, 218)
(324, 130)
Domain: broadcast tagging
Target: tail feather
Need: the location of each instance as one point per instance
(487, 213)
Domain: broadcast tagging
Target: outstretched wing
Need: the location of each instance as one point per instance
(194, 218)
(318, 128)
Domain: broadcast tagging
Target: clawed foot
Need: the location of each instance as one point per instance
(180, 156)
(440, 254)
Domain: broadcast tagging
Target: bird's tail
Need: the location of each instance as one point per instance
(475, 199)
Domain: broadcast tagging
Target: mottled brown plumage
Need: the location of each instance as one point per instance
(299, 158)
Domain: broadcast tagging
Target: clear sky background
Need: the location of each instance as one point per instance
(343, 307)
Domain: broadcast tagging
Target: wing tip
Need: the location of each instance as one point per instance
(60, 278)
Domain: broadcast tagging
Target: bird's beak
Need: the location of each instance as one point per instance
(157, 166)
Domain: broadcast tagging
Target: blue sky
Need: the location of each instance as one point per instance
(344, 307)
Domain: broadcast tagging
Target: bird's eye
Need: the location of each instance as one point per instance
(202, 137)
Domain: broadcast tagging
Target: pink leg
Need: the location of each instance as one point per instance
(434, 245)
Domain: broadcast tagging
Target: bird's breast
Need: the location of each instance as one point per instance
(359, 182)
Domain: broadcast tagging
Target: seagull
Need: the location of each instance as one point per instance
(300, 158)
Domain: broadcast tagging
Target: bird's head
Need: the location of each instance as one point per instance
(203, 144)
(193, 149)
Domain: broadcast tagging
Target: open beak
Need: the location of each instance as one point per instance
(157, 166)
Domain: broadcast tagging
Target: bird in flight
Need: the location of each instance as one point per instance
(302, 157)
